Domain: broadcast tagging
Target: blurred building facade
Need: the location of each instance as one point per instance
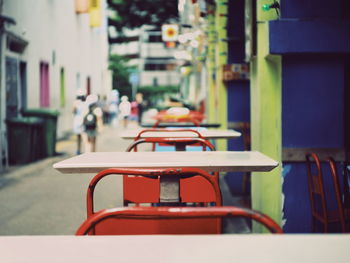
(49, 50)
(155, 62)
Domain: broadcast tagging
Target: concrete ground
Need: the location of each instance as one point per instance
(35, 199)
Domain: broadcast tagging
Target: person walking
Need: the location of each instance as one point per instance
(79, 108)
(125, 110)
(140, 106)
(92, 122)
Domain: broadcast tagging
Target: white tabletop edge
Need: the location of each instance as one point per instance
(223, 161)
(245, 248)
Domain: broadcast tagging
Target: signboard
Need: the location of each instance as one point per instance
(134, 78)
(81, 6)
(170, 32)
(235, 72)
(95, 13)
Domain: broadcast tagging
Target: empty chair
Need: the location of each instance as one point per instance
(193, 189)
(177, 117)
(166, 220)
(212, 194)
(343, 213)
(179, 143)
(318, 201)
(193, 132)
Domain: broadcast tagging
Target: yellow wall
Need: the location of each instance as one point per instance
(266, 120)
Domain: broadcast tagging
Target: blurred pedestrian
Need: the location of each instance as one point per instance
(134, 114)
(92, 122)
(113, 107)
(79, 108)
(125, 110)
(105, 109)
(140, 106)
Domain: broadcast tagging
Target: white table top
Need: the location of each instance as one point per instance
(176, 248)
(208, 134)
(222, 161)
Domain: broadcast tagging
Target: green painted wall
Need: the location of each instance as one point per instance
(221, 59)
(217, 57)
(212, 41)
(62, 88)
(266, 120)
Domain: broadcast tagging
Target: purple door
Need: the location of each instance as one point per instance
(44, 85)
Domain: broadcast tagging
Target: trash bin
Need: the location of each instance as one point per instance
(49, 117)
(23, 136)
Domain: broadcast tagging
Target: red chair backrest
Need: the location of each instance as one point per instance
(337, 191)
(143, 132)
(172, 141)
(318, 201)
(179, 131)
(212, 192)
(167, 220)
(196, 119)
(145, 190)
(315, 185)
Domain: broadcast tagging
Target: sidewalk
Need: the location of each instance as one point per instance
(38, 200)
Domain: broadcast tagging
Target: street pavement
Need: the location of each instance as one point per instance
(35, 199)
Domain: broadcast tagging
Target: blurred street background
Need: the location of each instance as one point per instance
(276, 71)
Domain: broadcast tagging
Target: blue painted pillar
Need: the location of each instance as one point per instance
(314, 41)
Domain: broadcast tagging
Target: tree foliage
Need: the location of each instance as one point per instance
(120, 71)
(135, 13)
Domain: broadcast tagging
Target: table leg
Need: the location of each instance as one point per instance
(180, 147)
(170, 185)
(169, 189)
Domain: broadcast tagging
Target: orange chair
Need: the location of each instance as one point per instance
(319, 208)
(212, 194)
(193, 189)
(194, 117)
(166, 220)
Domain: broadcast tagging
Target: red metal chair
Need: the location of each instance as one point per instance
(194, 117)
(179, 143)
(194, 189)
(152, 194)
(166, 220)
(319, 208)
(142, 133)
(343, 212)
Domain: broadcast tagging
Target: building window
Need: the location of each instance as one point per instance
(44, 85)
(155, 39)
(155, 67)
